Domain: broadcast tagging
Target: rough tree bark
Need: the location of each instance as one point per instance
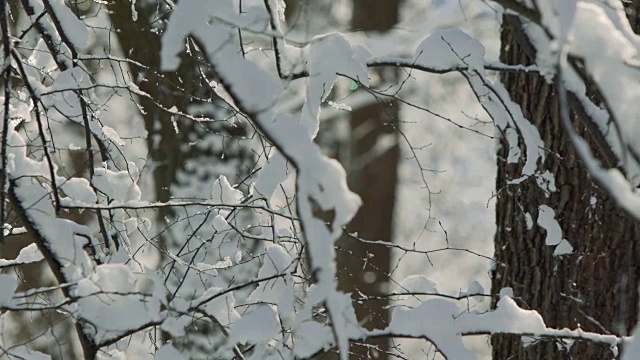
(594, 288)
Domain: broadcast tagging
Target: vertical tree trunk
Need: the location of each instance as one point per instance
(363, 268)
(596, 287)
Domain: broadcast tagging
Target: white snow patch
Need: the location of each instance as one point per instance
(547, 220)
(417, 283)
(223, 192)
(168, 352)
(27, 255)
(563, 248)
(79, 189)
(528, 220)
(450, 48)
(259, 325)
(112, 135)
(112, 300)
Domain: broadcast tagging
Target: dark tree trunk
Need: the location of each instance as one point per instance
(364, 268)
(596, 287)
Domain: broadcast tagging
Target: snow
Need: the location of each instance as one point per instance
(417, 283)
(311, 337)
(134, 12)
(281, 6)
(219, 222)
(253, 18)
(223, 94)
(63, 239)
(632, 349)
(18, 163)
(60, 234)
(320, 179)
(528, 220)
(41, 59)
(118, 185)
(23, 352)
(601, 37)
(346, 59)
(278, 291)
(339, 106)
(558, 17)
(219, 305)
(28, 254)
(436, 323)
(257, 326)
(275, 172)
(514, 150)
(224, 263)
(607, 54)
(168, 352)
(507, 317)
(612, 180)
(547, 220)
(79, 190)
(474, 288)
(113, 300)
(443, 323)
(112, 135)
(547, 182)
(224, 193)
(563, 248)
(176, 325)
(450, 48)
(8, 286)
(66, 81)
(74, 29)
(507, 114)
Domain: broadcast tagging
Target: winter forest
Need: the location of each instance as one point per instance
(317, 179)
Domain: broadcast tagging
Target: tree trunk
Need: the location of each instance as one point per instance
(595, 288)
(364, 268)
